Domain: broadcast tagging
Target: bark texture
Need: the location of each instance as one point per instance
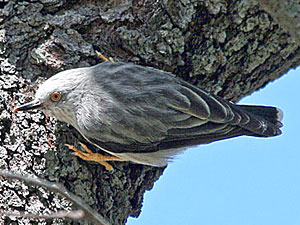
(286, 13)
(229, 48)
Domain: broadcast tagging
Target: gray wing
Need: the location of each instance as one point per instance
(140, 109)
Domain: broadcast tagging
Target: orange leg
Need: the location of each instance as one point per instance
(95, 157)
(110, 59)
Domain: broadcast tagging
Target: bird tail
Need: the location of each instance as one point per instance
(269, 118)
(258, 121)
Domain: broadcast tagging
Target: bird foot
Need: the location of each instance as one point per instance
(95, 157)
(105, 59)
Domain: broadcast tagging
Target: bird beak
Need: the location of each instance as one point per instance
(30, 105)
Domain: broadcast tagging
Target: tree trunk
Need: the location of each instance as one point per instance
(229, 48)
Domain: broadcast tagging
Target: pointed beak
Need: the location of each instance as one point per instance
(28, 106)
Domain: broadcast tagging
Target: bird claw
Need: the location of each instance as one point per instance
(88, 155)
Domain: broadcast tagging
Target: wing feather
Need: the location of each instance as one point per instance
(143, 109)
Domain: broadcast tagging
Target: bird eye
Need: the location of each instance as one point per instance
(55, 96)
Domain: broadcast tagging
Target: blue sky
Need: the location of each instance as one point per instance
(241, 181)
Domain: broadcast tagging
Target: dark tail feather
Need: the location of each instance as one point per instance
(260, 121)
(271, 115)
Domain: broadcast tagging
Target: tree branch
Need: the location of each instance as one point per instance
(286, 13)
(74, 215)
(84, 212)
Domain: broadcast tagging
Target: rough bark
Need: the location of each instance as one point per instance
(230, 48)
(286, 13)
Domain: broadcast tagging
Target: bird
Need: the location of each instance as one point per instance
(144, 115)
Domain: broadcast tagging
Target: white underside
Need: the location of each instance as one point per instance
(157, 159)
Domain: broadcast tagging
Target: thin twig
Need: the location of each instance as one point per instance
(74, 215)
(86, 211)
